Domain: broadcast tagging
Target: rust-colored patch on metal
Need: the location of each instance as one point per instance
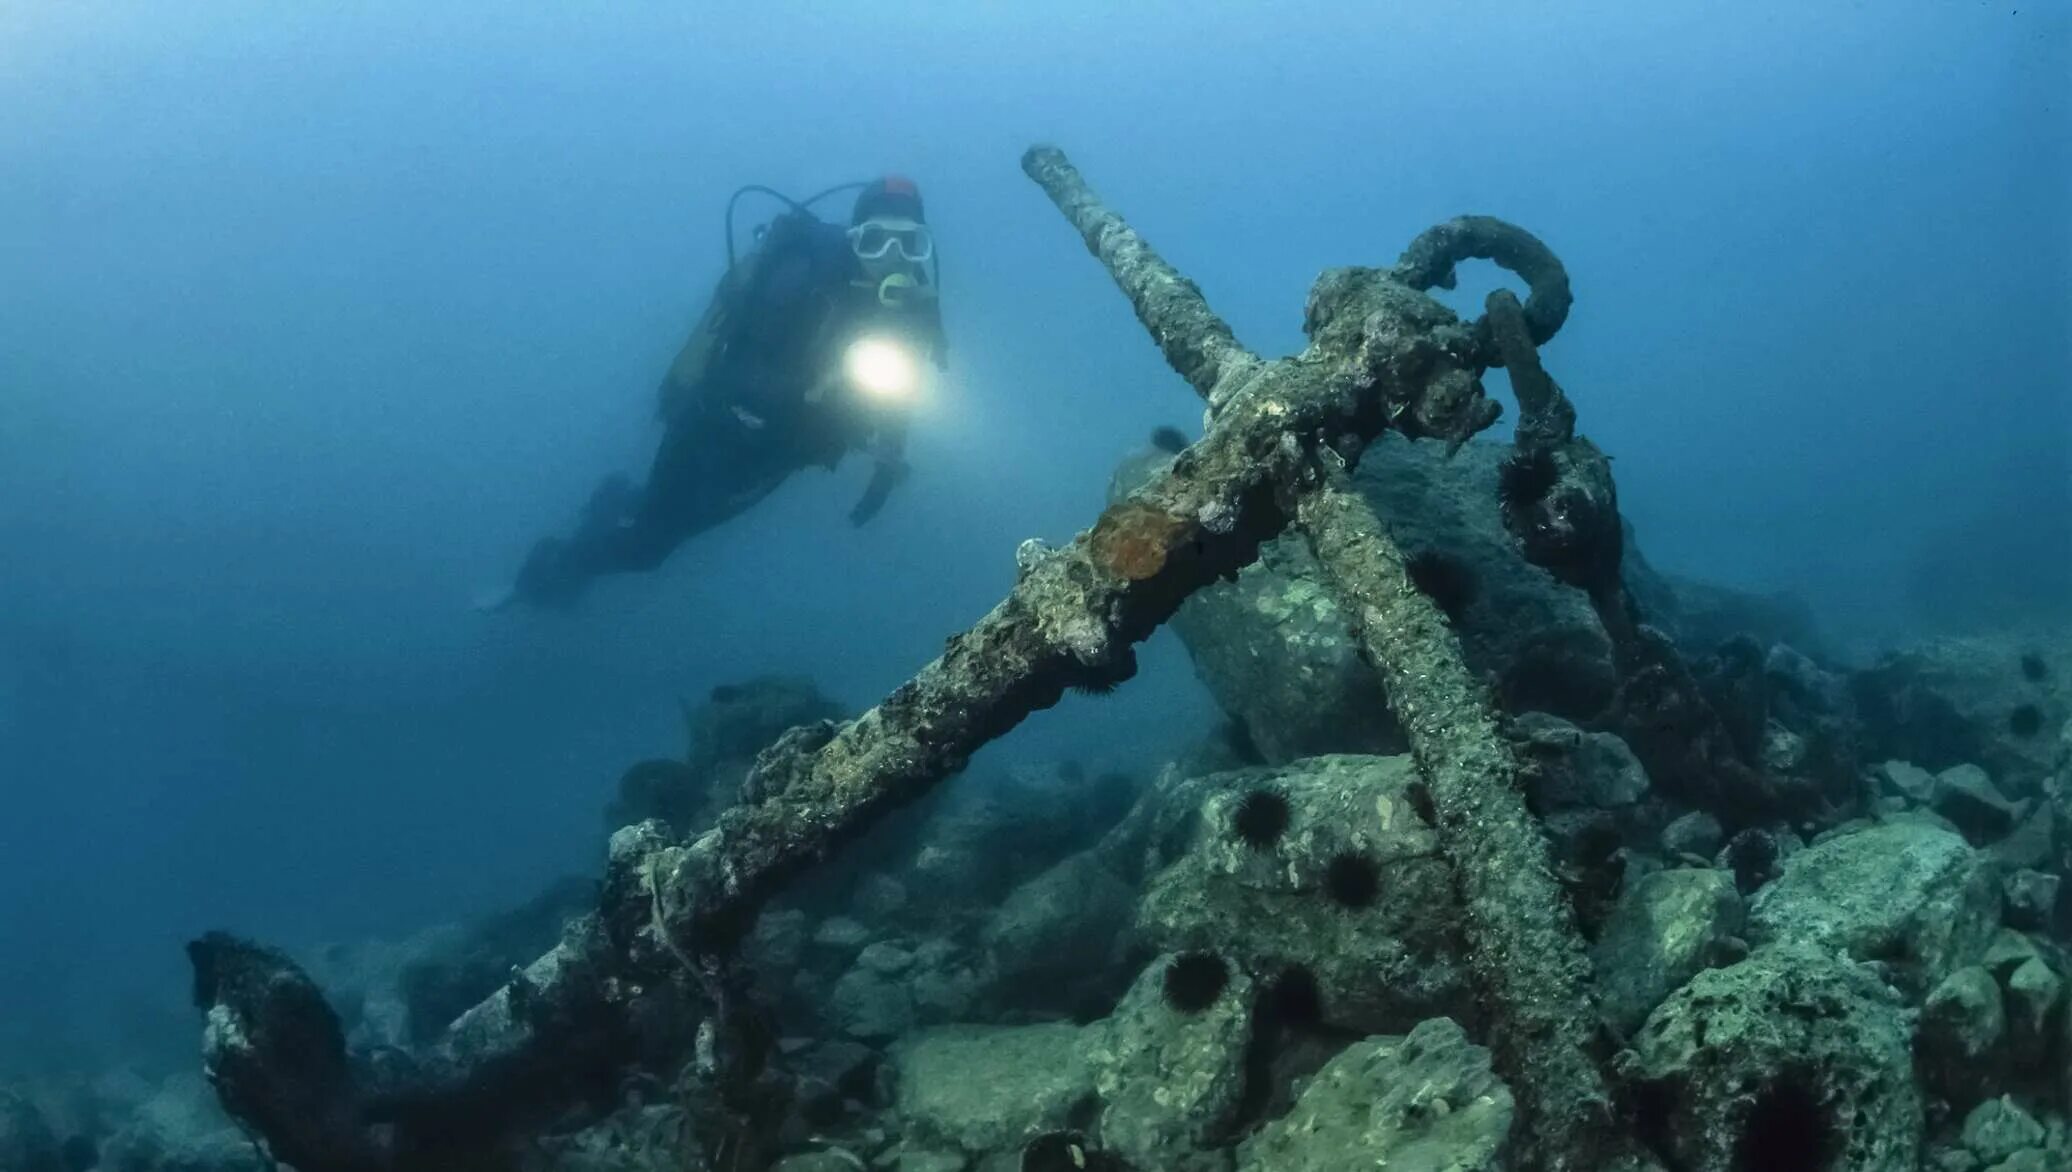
(1133, 540)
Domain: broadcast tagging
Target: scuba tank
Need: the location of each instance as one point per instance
(736, 289)
(910, 310)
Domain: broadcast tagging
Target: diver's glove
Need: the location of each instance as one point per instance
(886, 476)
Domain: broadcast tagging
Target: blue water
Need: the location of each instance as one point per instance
(313, 317)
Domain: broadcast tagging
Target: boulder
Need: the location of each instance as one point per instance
(871, 1006)
(1278, 654)
(1961, 1027)
(1998, 1129)
(1995, 700)
(181, 1128)
(2033, 843)
(1321, 872)
(2008, 951)
(1056, 939)
(1964, 1017)
(987, 1089)
(981, 837)
(1696, 834)
(2034, 990)
(1539, 640)
(1577, 769)
(1665, 929)
(831, 1074)
(1169, 1063)
(1906, 893)
(1426, 1102)
(1792, 1058)
(1965, 796)
(1905, 780)
(944, 983)
(2032, 900)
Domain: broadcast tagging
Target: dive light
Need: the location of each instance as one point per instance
(882, 368)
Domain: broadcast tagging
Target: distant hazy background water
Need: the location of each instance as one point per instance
(312, 317)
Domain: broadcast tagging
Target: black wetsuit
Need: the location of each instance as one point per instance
(742, 416)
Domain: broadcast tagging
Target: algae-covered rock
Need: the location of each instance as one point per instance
(1998, 1129)
(2034, 990)
(1169, 1063)
(2008, 951)
(2032, 899)
(829, 1075)
(977, 841)
(1588, 790)
(639, 1137)
(944, 987)
(1906, 781)
(180, 1128)
(1055, 939)
(1323, 871)
(1665, 929)
(986, 1089)
(1907, 893)
(1791, 1055)
(1278, 654)
(1427, 1102)
(1963, 1019)
(1576, 768)
(1696, 834)
(1968, 798)
(2033, 843)
(871, 1005)
(1994, 700)
(1539, 640)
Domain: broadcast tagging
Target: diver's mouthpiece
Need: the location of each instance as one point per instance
(882, 368)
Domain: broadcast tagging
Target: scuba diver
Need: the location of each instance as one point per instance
(812, 346)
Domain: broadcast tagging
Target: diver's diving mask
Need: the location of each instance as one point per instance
(877, 241)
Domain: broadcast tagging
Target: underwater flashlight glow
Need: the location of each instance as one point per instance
(882, 368)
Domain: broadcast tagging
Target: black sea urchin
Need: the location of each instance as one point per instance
(1194, 980)
(1525, 478)
(1260, 818)
(1352, 880)
(1444, 579)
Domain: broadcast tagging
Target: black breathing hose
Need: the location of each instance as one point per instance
(801, 206)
